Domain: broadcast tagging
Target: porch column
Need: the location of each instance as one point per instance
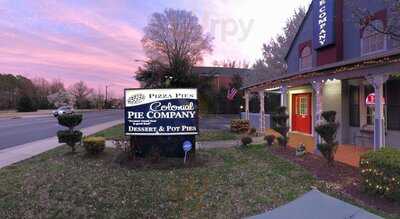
(247, 105)
(318, 86)
(363, 106)
(377, 82)
(261, 95)
(284, 96)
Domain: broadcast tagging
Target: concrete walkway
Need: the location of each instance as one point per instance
(21, 152)
(316, 205)
(225, 144)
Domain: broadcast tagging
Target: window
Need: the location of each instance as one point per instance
(393, 104)
(306, 58)
(370, 109)
(372, 41)
(303, 106)
(354, 106)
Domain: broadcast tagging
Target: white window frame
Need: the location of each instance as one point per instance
(385, 43)
(301, 67)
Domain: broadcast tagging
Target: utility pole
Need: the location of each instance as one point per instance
(105, 100)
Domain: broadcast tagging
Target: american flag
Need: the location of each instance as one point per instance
(231, 94)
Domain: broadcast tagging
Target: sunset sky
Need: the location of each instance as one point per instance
(98, 40)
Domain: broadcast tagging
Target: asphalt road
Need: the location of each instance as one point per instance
(24, 130)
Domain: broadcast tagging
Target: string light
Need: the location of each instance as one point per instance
(364, 64)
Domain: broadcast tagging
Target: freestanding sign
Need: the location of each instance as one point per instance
(161, 112)
(324, 23)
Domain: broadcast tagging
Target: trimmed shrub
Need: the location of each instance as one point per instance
(70, 120)
(328, 131)
(240, 125)
(282, 141)
(269, 139)
(69, 137)
(380, 171)
(246, 140)
(280, 120)
(94, 145)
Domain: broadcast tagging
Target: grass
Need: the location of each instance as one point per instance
(216, 135)
(117, 132)
(232, 183)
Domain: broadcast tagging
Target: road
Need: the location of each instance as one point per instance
(24, 130)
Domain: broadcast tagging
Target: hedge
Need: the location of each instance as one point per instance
(94, 145)
(381, 172)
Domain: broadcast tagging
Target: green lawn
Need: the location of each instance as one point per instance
(118, 133)
(231, 183)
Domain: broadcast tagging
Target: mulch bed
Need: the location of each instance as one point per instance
(343, 178)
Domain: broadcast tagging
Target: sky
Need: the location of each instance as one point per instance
(98, 41)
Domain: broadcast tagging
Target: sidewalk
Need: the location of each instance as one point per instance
(21, 152)
(225, 144)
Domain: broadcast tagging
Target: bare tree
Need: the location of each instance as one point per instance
(273, 62)
(174, 41)
(364, 17)
(56, 86)
(175, 34)
(81, 92)
(231, 63)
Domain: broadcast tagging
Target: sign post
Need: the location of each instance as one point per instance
(162, 118)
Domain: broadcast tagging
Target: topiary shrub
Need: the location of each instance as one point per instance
(270, 139)
(70, 120)
(240, 125)
(70, 136)
(280, 120)
(328, 131)
(380, 171)
(94, 145)
(246, 140)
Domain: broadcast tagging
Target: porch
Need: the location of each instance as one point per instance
(364, 96)
(346, 153)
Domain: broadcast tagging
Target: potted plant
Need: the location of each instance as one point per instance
(270, 139)
(300, 150)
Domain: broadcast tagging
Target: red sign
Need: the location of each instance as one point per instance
(370, 100)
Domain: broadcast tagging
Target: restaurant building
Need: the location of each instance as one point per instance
(334, 63)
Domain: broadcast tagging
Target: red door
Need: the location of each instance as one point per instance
(301, 112)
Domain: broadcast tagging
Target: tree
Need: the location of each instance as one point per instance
(56, 86)
(61, 98)
(175, 35)
(25, 104)
(273, 62)
(364, 16)
(42, 87)
(174, 42)
(231, 64)
(81, 93)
